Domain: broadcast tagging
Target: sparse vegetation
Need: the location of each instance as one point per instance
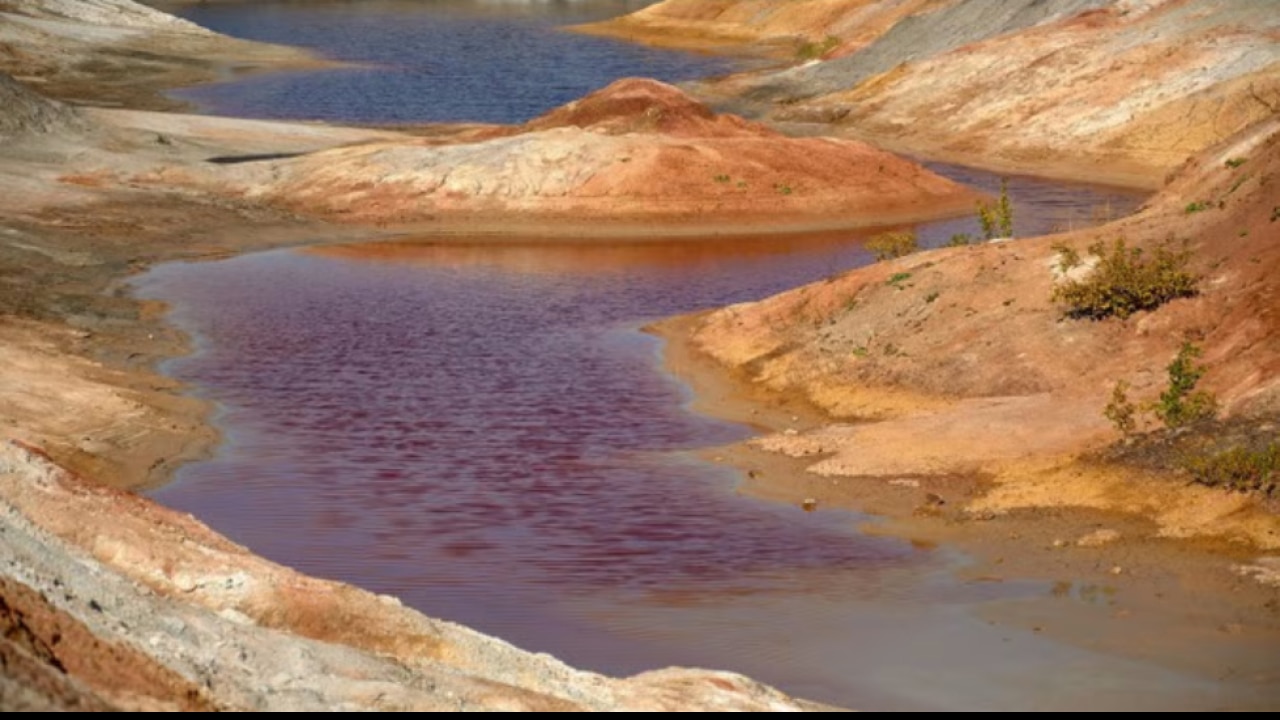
(890, 245)
(961, 240)
(812, 50)
(931, 297)
(1234, 162)
(1239, 181)
(1197, 206)
(721, 178)
(897, 278)
(782, 188)
(997, 220)
(1125, 281)
(1121, 411)
(1239, 468)
(1068, 257)
(1181, 404)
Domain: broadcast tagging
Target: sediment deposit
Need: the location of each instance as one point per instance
(1115, 91)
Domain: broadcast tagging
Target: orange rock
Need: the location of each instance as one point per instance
(636, 150)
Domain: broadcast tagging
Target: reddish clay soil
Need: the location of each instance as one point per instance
(638, 150)
(958, 362)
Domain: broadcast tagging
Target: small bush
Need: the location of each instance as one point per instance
(1125, 282)
(961, 240)
(1239, 468)
(890, 245)
(1197, 206)
(1068, 257)
(810, 50)
(1120, 411)
(1235, 162)
(1181, 404)
(997, 220)
(898, 278)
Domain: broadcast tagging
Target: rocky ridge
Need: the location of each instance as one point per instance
(120, 52)
(1114, 90)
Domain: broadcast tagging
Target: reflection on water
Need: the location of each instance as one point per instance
(536, 255)
(435, 61)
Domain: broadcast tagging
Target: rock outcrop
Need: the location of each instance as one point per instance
(120, 51)
(765, 27)
(25, 113)
(1133, 88)
(105, 13)
(108, 601)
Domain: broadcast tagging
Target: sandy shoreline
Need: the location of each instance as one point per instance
(1112, 596)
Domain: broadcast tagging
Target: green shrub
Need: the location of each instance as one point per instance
(1181, 404)
(1068, 257)
(1120, 411)
(1197, 206)
(997, 220)
(1235, 162)
(887, 246)
(898, 278)
(1125, 282)
(810, 50)
(1238, 468)
(961, 240)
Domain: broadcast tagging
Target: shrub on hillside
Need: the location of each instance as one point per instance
(811, 50)
(890, 245)
(1124, 281)
(1181, 404)
(997, 220)
(1239, 468)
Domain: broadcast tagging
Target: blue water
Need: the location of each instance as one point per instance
(433, 60)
